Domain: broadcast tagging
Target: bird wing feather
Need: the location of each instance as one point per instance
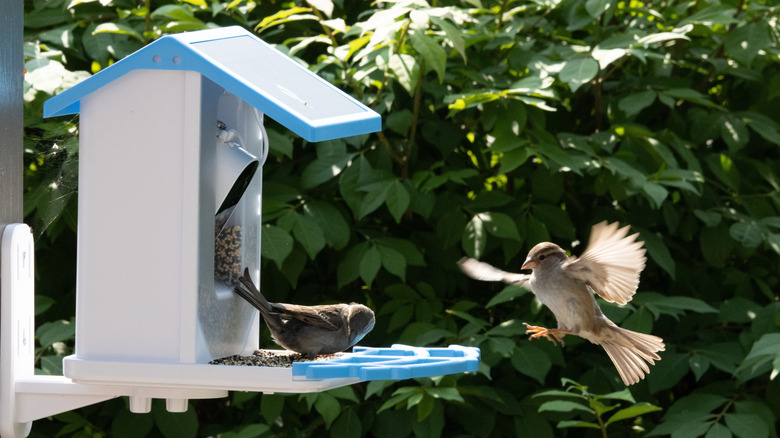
(611, 263)
(485, 272)
(326, 317)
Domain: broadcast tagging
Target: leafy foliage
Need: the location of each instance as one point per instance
(506, 123)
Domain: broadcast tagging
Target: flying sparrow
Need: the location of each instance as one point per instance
(610, 267)
(309, 330)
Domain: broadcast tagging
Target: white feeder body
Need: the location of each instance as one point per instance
(146, 288)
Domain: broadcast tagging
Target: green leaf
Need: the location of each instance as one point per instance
(624, 395)
(659, 38)
(699, 365)
(393, 261)
(377, 387)
(400, 396)
(119, 29)
(432, 53)
(605, 57)
(746, 425)
(634, 103)
(657, 250)
(126, 424)
(724, 169)
(577, 423)
(563, 406)
(723, 355)
(271, 406)
(746, 42)
(446, 393)
(578, 72)
(633, 411)
(748, 233)
(474, 239)
(763, 125)
(328, 407)
(43, 303)
(293, 265)
(51, 365)
(710, 218)
(714, 247)
(425, 407)
(55, 331)
(275, 243)
(765, 351)
(335, 228)
(174, 12)
(399, 121)
(735, 133)
(508, 329)
(305, 230)
(508, 293)
(597, 7)
(555, 219)
(175, 425)
(279, 144)
(655, 193)
(672, 305)
(499, 225)
(295, 13)
(718, 430)
(406, 70)
(531, 361)
(689, 95)
(376, 196)
(667, 372)
(454, 34)
(370, 264)
(717, 14)
(331, 160)
(326, 6)
(397, 200)
(407, 248)
(347, 424)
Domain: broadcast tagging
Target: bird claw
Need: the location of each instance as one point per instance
(550, 334)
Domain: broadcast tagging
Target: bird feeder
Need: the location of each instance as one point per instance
(171, 147)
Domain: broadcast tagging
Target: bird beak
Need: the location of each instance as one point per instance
(529, 264)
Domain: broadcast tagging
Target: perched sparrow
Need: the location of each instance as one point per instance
(610, 266)
(309, 330)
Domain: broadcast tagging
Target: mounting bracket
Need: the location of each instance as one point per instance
(25, 397)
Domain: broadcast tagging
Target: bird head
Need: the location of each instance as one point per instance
(544, 254)
(360, 320)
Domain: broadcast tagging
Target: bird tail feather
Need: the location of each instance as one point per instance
(246, 289)
(630, 352)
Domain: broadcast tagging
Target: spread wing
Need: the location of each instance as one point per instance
(611, 263)
(485, 272)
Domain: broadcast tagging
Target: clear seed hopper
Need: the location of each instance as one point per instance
(170, 176)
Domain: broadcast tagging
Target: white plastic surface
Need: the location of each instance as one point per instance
(196, 376)
(17, 330)
(25, 397)
(145, 281)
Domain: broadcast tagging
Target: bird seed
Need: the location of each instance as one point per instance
(227, 255)
(265, 358)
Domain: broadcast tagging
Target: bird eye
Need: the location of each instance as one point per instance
(541, 257)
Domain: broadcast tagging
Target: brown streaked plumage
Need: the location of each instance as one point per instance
(610, 267)
(309, 330)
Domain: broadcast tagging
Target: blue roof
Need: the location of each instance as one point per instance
(398, 362)
(249, 68)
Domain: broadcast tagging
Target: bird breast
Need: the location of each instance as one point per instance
(569, 300)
